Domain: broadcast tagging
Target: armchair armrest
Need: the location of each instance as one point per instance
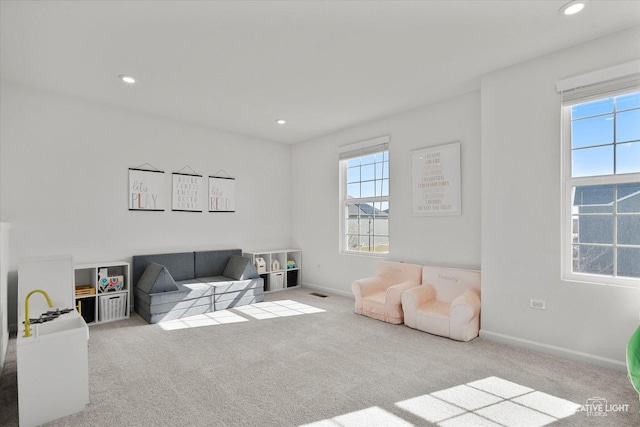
(394, 293)
(412, 299)
(363, 287)
(420, 295)
(393, 301)
(466, 306)
(464, 317)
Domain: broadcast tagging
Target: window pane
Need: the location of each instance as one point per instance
(593, 131)
(353, 162)
(593, 199)
(629, 198)
(628, 157)
(382, 208)
(593, 259)
(382, 187)
(631, 100)
(593, 229)
(353, 174)
(629, 262)
(380, 227)
(351, 242)
(368, 189)
(367, 160)
(628, 126)
(367, 172)
(352, 226)
(593, 108)
(592, 161)
(629, 230)
(353, 190)
(381, 244)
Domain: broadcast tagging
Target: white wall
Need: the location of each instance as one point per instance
(64, 182)
(521, 207)
(452, 240)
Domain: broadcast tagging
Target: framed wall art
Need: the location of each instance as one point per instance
(222, 194)
(146, 189)
(435, 180)
(186, 192)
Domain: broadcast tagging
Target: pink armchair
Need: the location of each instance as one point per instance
(447, 303)
(380, 297)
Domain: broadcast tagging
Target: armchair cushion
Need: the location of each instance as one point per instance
(447, 303)
(380, 297)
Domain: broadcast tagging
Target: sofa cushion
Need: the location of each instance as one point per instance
(156, 279)
(240, 268)
(212, 263)
(179, 265)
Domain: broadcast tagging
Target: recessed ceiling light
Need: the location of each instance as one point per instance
(572, 7)
(281, 121)
(127, 79)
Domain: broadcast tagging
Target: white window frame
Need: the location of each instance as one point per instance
(602, 84)
(345, 153)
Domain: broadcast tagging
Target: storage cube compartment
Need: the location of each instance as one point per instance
(112, 307)
(276, 281)
(292, 278)
(87, 308)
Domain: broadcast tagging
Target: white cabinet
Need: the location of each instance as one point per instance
(53, 360)
(102, 291)
(280, 268)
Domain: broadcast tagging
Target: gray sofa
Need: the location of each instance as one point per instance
(175, 285)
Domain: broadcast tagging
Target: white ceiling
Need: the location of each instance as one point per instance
(321, 65)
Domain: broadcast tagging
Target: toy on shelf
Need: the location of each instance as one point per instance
(291, 264)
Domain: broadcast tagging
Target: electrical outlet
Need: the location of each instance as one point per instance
(538, 304)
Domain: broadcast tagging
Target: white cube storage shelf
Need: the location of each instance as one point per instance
(106, 300)
(282, 268)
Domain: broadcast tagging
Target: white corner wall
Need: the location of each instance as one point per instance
(64, 181)
(521, 208)
(448, 240)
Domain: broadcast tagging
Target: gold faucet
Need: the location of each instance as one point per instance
(27, 324)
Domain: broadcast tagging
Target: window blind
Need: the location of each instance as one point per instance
(363, 148)
(608, 82)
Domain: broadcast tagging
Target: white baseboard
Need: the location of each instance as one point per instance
(565, 353)
(327, 290)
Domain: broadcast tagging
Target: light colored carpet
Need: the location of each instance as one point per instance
(325, 368)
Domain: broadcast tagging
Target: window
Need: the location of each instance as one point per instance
(601, 147)
(364, 197)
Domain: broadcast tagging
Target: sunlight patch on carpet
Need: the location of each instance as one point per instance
(273, 309)
(258, 311)
(489, 402)
(221, 317)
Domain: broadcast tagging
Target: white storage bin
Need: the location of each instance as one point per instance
(276, 281)
(112, 307)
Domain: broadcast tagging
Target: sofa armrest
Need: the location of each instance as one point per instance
(363, 287)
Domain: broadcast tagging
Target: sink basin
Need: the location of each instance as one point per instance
(61, 325)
